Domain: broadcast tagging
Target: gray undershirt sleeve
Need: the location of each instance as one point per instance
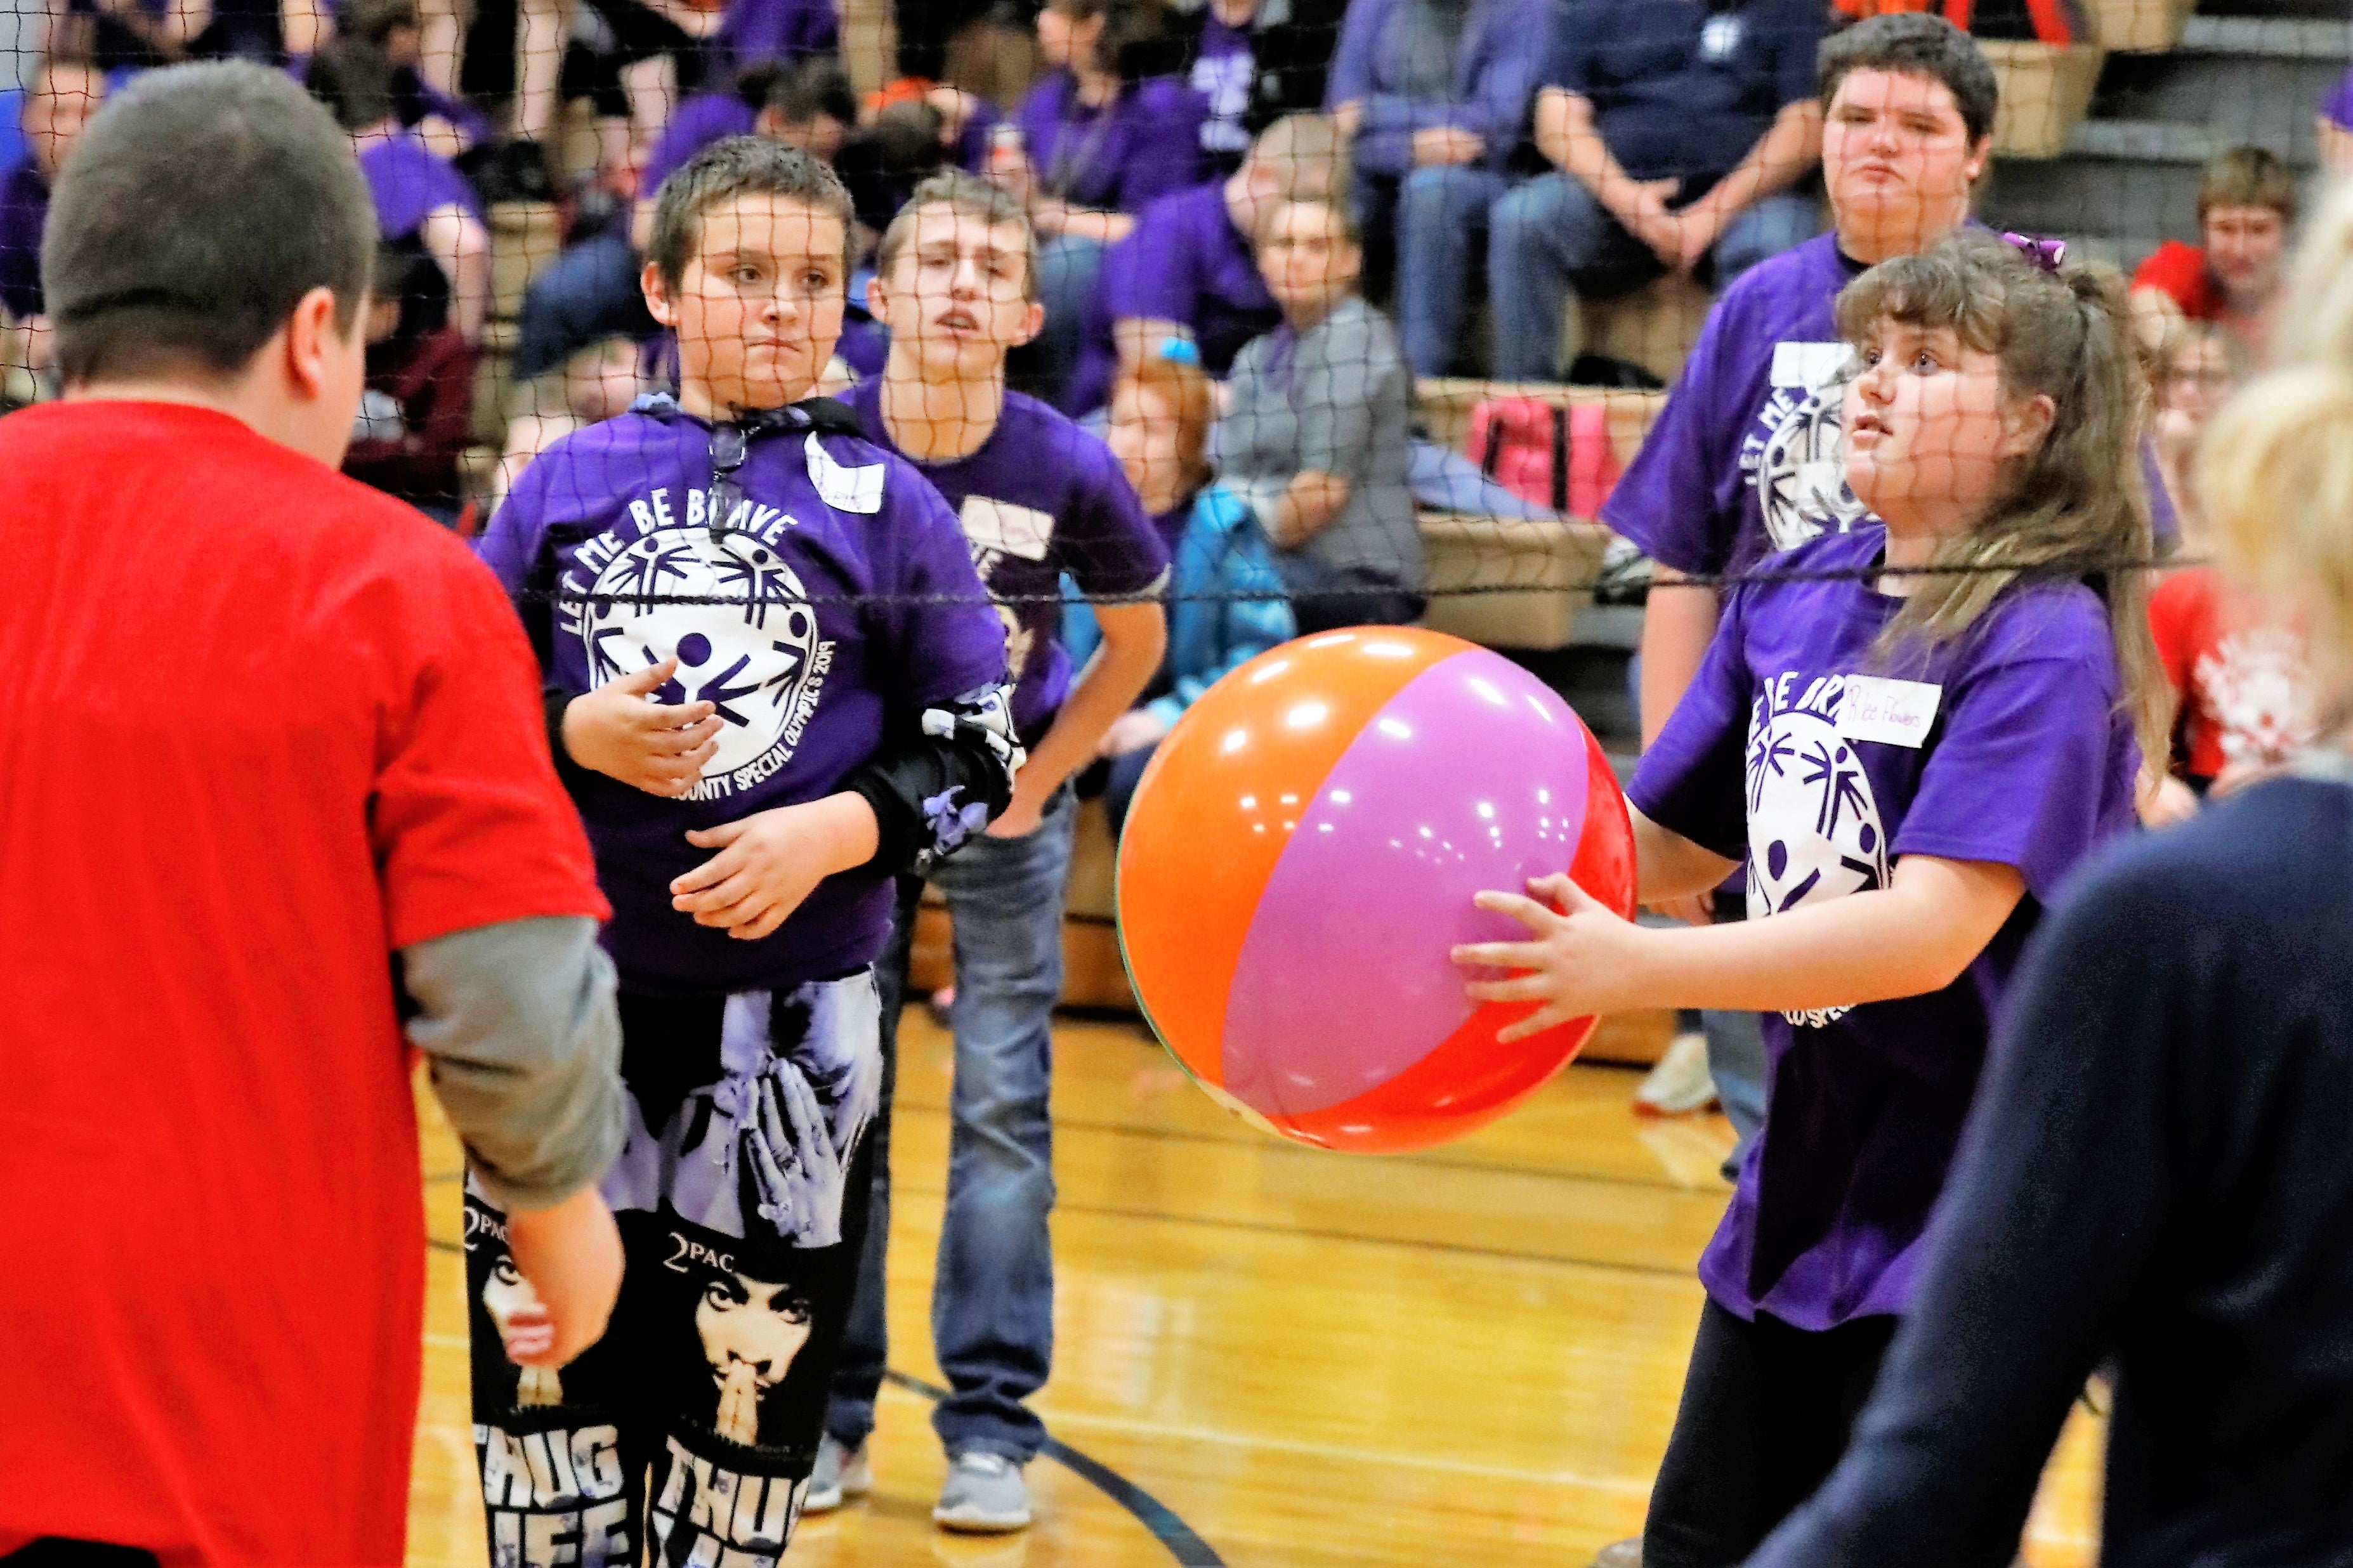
(526, 1046)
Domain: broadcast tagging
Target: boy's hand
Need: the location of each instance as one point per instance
(620, 731)
(571, 1256)
(1025, 813)
(771, 861)
(1583, 962)
(1132, 731)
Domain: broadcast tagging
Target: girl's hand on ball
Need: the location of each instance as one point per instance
(1580, 962)
(620, 731)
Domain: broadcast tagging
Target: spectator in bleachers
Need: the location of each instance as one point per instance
(1093, 144)
(2246, 208)
(444, 123)
(2335, 131)
(1253, 61)
(419, 403)
(1679, 130)
(599, 382)
(591, 290)
(1190, 269)
(1748, 458)
(2057, 22)
(1432, 95)
(1315, 434)
(136, 35)
(58, 101)
(1225, 595)
(422, 205)
(787, 32)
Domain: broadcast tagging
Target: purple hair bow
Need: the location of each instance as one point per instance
(2047, 254)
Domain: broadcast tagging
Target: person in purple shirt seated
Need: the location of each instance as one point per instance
(591, 290)
(2335, 130)
(1038, 498)
(444, 124)
(1911, 764)
(58, 101)
(763, 32)
(1095, 146)
(1253, 61)
(1679, 131)
(1190, 268)
(139, 34)
(421, 203)
(1433, 95)
(774, 684)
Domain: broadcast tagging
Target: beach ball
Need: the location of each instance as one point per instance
(1302, 855)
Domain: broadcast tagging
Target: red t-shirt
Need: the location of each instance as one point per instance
(2179, 271)
(2244, 694)
(260, 726)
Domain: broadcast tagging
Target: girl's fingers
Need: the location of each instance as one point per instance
(1519, 988)
(1537, 1022)
(710, 873)
(1527, 911)
(1498, 954)
(717, 837)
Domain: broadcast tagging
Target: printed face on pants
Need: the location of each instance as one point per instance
(687, 1433)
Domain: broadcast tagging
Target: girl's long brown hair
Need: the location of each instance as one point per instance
(2074, 508)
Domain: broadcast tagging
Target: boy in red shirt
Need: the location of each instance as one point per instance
(276, 786)
(2245, 210)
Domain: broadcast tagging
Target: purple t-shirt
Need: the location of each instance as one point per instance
(758, 31)
(2338, 109)
(701, 119)
(1186, 263)
(1041, 496)
(806, 668)
(1144, 144)
(24, 214)
(1221, 73)
(410, 182)
(1797, 750)
(1748, 458)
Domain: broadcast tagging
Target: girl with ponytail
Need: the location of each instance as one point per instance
(1912, 734)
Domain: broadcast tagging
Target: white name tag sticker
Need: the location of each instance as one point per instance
(1807, 366)
(1892, 712)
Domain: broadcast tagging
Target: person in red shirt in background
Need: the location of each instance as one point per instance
(2246, 208)
(418, 407)
(277, 791)
(2246, 702)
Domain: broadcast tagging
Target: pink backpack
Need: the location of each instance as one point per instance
(1552, 454)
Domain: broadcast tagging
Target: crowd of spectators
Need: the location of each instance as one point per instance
(1528, 154)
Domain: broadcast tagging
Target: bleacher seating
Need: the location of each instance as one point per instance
(2046, 89)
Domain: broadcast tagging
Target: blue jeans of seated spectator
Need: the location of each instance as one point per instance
(993, 1294)
(587, 293)
(1326, 598)
(1442, 223)
(1067, 268)
(1552, 237)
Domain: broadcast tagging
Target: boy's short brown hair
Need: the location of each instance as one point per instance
(734, 167)
(2248, 177)
(972, 197)
(1911, 43)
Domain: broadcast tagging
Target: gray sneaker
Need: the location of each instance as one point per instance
(985, 1495)
(1620, 1554)
(839, 1475)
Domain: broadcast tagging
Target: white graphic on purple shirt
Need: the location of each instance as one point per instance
(1795, 455)
(1814, 825)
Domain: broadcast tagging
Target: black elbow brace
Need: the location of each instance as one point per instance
(934, 788)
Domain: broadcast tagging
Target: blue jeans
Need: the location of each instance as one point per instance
(992, 1295)
(1442, 223)
(588, 292)
(1552, 237)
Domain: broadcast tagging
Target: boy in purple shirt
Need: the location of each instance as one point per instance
(1911, 752)
(1038, 498)
(64, 93)
(774, 683)
(2335, 130)
(1190, 268)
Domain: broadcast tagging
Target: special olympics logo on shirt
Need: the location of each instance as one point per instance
(1814, 827)
(1796, 454)
(745, 640)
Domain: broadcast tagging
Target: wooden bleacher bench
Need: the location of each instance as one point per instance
(2139, 27)
(524, 237)
(1653, 326)
(2046, 92)
(1443, 403)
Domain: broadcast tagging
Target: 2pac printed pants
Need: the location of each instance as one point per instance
(685, 1435)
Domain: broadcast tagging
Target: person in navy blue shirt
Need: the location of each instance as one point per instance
(774, 684)
(956, 284)
(63, 95)
(1682, 133)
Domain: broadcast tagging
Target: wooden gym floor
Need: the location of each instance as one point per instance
(1269, 1355)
